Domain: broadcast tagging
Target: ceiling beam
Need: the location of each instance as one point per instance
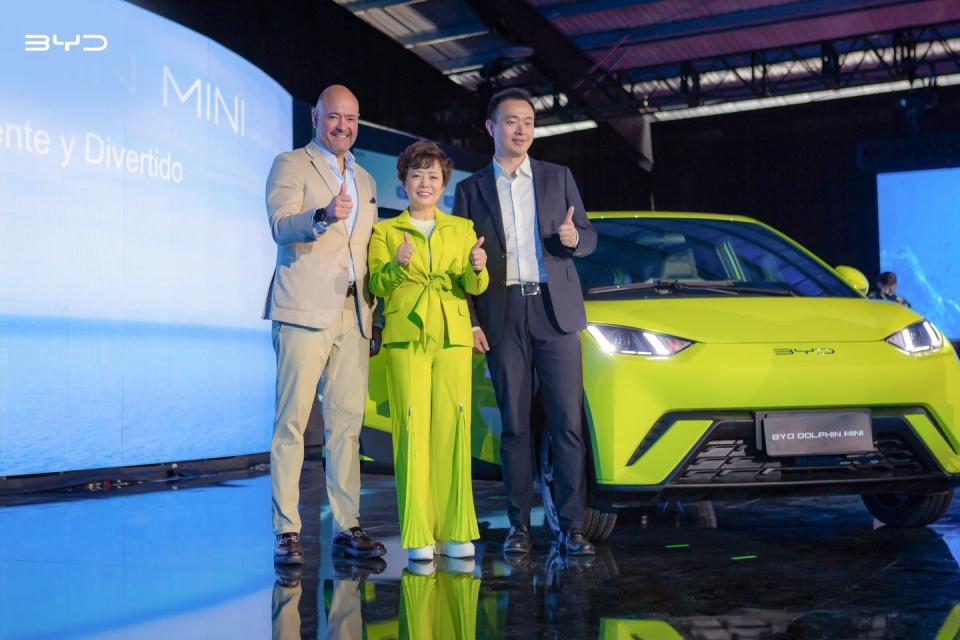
(733, 21)
(585, 7)
(466, 63)
(571, 70)
(366, 5)
(445, 34)
(926, 34)
(856, 61)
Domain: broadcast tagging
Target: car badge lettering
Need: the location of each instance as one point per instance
(813, 351)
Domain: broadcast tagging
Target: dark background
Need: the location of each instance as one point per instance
(808, 170)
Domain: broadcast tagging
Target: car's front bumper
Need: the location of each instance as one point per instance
(726, 463)
(653, 423)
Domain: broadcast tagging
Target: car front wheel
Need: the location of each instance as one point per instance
(906, 510)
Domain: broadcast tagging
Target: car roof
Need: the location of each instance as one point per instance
(683, 215)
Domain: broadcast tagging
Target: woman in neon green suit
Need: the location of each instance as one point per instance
(422, 263)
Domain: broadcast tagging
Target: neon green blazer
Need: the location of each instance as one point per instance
(426, 298)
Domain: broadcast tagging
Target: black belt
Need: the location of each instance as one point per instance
(525, 288)
(352, 289)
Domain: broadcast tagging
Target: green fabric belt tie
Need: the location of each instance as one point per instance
(428, 306)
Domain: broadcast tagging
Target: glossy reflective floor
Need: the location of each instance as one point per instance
(192, 559)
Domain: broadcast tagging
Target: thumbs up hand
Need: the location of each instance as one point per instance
(568, 233)
(478, 257)
(341, 205)
(405, 250)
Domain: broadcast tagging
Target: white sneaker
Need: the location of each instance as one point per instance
(458, 565)
(421, 568)
(458, 550)
(422, 554)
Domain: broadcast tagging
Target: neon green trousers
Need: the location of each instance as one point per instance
(442, 606)
(429, 389)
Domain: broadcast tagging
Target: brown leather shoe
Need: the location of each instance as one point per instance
(357, 569)
(288, 549)
(358, 544)
(288, 576)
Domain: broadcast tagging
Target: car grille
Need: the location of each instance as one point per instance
(728, 455)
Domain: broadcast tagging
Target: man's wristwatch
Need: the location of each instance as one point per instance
(320, 223)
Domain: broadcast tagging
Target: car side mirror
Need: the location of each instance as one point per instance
(853, 277)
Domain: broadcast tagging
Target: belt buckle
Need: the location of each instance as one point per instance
(351, 289)
(529, 288)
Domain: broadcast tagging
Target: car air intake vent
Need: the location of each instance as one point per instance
(729, 455)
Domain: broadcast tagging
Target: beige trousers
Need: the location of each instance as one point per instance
(332, 364)
(342, 621)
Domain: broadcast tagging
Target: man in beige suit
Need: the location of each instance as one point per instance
(322, 206)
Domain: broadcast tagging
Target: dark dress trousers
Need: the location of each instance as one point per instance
(535, 337)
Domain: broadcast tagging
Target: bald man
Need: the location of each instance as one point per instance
(321, 206)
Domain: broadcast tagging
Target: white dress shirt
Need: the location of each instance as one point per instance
(351, 190)
(518, 205)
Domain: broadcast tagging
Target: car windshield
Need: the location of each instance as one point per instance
(657, 257)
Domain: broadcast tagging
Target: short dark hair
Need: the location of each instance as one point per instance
(421, 155)
(887, 278)
(514, 93)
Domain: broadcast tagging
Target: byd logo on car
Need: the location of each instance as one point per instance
(813, 351)
(41, 42)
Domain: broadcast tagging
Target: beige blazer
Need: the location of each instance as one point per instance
(310, 280)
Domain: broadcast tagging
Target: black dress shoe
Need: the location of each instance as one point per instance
(358, 544)
(575, 543)
(517, 540)
(288, 549)
(519, 563)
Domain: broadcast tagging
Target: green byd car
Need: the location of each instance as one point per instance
(766, 622)
(723, 360)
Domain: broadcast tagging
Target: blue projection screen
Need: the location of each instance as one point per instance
(919, 213)
(134, 248)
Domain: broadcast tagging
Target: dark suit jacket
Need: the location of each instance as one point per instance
(554, 191)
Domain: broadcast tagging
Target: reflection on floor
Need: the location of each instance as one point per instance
(193, 560)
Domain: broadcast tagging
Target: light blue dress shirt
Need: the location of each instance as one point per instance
(351, 176)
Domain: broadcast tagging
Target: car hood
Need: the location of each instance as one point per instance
(744, 319)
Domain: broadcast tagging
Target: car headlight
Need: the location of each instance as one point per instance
(636, 341)
(919, 337)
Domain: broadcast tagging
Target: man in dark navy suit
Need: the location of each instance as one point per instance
(528, 321)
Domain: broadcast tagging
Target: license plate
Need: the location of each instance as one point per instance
(812, 433)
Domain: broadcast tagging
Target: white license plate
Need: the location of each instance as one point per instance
(813, 433)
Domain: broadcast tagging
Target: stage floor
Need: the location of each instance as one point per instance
(193, 559)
